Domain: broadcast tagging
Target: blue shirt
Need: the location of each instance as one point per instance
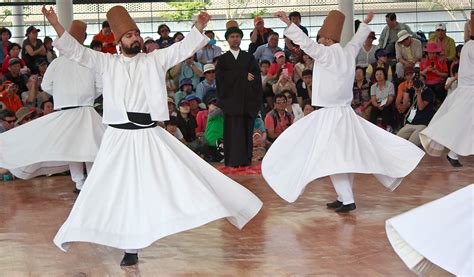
(202, 88)
(264, 52)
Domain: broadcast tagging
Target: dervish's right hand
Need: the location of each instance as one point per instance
(50, 15)
(283, 17)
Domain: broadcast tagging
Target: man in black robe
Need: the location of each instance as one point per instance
(239, 94)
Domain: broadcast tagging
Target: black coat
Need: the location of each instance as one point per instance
(236, 95)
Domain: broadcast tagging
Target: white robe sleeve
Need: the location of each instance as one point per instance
(73, 50)
(178, 52)
(47, 82)
(354, 45)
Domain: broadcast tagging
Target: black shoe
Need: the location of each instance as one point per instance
(346, 208)
(453, 162)
(334, 205)
(76, 190)
(129, 259)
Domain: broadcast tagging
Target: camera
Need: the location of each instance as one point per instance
(416, 72)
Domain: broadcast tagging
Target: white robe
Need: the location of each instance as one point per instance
(46, 145)
(440, 232)
(334, 139)
(453, 124)
(145, 184)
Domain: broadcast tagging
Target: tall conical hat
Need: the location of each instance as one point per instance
(78, 30)
(120, 22)
(332, 26)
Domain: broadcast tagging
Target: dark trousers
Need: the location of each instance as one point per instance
(238, 144)
(385, 113)
(440, 93)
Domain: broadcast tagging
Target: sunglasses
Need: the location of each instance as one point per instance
(10, 121)
(211, 71)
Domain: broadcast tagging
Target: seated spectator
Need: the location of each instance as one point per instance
(41, 65)
(24, 115)
(32, 49)
(46, 107)
(307, 107)
(445, 43)
(267, 51)
(389, 37)
(304, 89)
(361, 102)
(150, 45)
(366, 54)
(402, 101)
(281, 66)
(195, 104)
(7, 120)
(14, 74)
(50, 53)
(214, 132)
(186, 122)
(107, 38)
(267, 89)
(96, 45)
(382, 93)
(467, 30)
(33, 98)
(292, 105)
(14, 53)
(9, 97)
(165, 40)
(278, 119)
(284, 83)
(188, 69)
(259, 139)
(177, 37)
(293, 50)
(5, 43)
(435, 71)
(209, 74)
(171, 126)
(382, 62)
(171, 82)
(452, 82)
(185, 89)
(456, 60)
(420, 114)
(171, 107)
(409, 52)
(210, 51)
(259, 35)
(305, 63)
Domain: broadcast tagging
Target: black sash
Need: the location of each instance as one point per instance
(142, 119)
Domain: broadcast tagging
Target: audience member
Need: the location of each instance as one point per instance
(96, 45)
(171, 107)
(278, 119)
(292, 105)
(186, 122)
(259, 35)
(7, 120)
(171, 126)
(305, 87)
(50, 53)
(305, 63)
(284, 83)
(445, 43)
(149, 45)
(409, 52)
(293, 50)
(281, 66)
(185, 89)
(452, 82)
(5, 43)
(14, 75)
(9, 97)
(382, 62)
(14, 52)
(210, 51)
(177, 37)
(267, 51)
(24, 115)
(361, 102)
(188, 69)
(435, 71)
(32, 49)
(366, 54)
(308, 107)
(382, 93)
(389, 35)
(165, 40)
(107, 38)
(209, 73)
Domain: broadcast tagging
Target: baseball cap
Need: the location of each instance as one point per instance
(441, 26)
(31, 29)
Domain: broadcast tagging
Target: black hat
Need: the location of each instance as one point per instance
(31, 29)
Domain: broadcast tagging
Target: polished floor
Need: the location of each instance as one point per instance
(299, 239)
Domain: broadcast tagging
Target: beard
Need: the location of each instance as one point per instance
(133, 49)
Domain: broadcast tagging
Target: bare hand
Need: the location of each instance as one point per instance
(250, 77)
(369, 17)
(283, 17)
(202, 20)
(50, 15)
(34, 78)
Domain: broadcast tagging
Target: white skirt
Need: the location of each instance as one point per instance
(46, 145)
(145, 185)
(452, 126)
(331, 141)
(440, 232)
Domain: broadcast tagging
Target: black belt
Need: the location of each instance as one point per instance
(142, 119)
(68, 108)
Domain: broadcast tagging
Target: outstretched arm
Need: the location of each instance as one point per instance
(354, 45)
(53, 20)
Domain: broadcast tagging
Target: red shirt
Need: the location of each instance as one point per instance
(108, 39)
(13, 104)
(281, 124)
(431, 77)
(273, 69)
(201, 120)
(5, 64)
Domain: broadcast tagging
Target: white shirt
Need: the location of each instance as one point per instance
(71, 84)
(334, 66)
(235, 53)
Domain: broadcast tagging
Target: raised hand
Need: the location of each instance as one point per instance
(283, 17)
(202, 20)
(369, 17)
(50, 15)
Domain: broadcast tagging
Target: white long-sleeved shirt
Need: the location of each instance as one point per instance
(334, 66)
(133, 84)
(71, 84)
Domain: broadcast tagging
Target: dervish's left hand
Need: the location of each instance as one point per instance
(369, 17)
(202, 20)
(250, 77)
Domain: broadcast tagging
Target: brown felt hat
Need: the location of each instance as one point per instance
(472, 23)
(78, 30)
(332, 26)
(120, 22)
